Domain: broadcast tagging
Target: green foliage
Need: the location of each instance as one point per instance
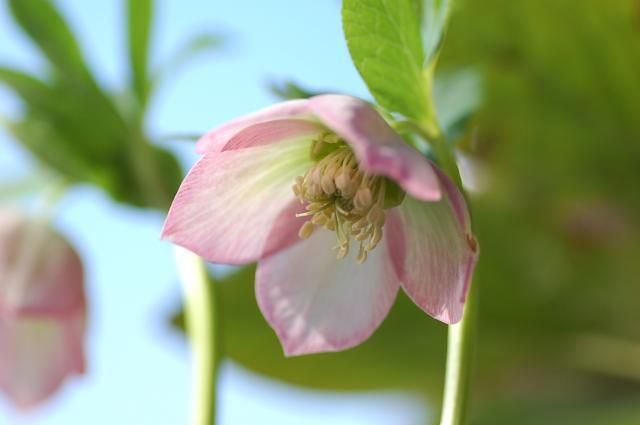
(435, 14)
(139, 14)
(287, 90)
(457, 95)
(566, 412)
(48, 29)
(89, 137)
(383, 37)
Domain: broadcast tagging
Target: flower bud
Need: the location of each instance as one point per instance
(42, 310)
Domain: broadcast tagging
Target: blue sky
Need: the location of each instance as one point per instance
(138, 371)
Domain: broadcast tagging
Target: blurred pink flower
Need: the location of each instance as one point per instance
(339, 212)
(42, 310)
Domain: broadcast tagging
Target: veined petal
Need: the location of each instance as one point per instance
(274, 131)
(378, 148)
(36, 355)
(227, 204)
(316, 303)
(40, 273)
(440, 253)
(216, 139)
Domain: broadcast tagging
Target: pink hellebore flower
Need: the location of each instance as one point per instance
(42, 310)
(339, 212)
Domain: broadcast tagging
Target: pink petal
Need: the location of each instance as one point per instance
(440, 253)
(229, 201)
(317, 303)
(216, 139)
(40, 273)
(37, 354)
(275, 131)
(378, 148)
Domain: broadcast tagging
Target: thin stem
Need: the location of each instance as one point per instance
(460, 342)
(202, 322)
(459, 360)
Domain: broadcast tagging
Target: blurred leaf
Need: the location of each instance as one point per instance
(435, 14)
(72, 79)
(48, 146)
(457, 96)
(563, 412)
(139, 19)
(384, 42)
(43, 101)
(86, 138)
(46, 27)
(190, 49)
(407, 351)
(32, 90)
(559, 224)
(288, 90)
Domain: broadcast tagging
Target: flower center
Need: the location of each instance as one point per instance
(341, 197)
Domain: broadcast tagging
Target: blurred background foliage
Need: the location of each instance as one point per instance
(80, 131)
(557, 135)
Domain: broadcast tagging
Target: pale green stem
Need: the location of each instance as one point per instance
(459, 360)
(460, 342)
(461, 337)
(202, 328)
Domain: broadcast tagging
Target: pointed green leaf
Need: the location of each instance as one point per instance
(139, 18)
(72, 79)
(457, 96)
(47, 28)
(287, 90)
(32, 90)
(74, 123)
(383, 37)
(435, 14)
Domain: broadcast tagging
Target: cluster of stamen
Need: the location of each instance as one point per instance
(341, 197)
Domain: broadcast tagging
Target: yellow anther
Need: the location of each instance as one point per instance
(376, 216)
(343, 179)
(327, 184)
(362, 255)
(306, 230)
(361, 236)
(376, 237)
(343, 250)
(319, 219)
(363, 198)
(342, 198)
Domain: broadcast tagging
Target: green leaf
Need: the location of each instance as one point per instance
(42, 139)
(565, 411)
(457, 96)
(33, 91)
(139, 18)
(435, 14)
(47, 28)
(384, 41)
(72, 79)
(72, 120)
(287, 90)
